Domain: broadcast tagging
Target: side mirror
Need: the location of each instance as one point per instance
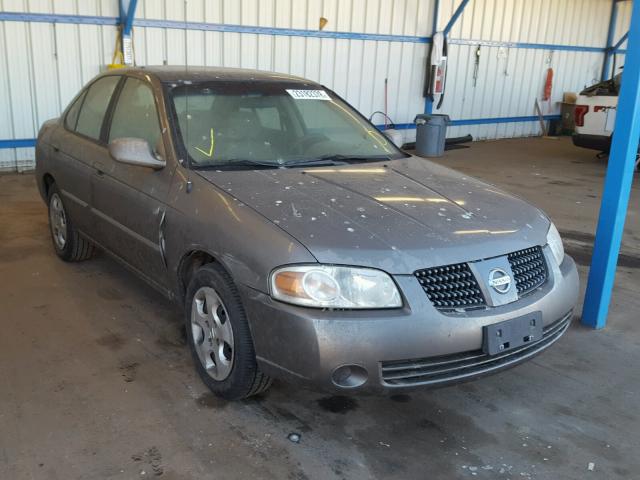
(134, 151)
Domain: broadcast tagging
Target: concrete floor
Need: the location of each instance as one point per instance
(96, 381)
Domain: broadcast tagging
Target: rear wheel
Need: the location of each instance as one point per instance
(219, 337)
(67, 241)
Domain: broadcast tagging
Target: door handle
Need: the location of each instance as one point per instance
(99, 168)
(56, 148)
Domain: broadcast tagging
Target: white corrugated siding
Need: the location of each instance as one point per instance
(510, 79)
(355, 69)
(43, 65)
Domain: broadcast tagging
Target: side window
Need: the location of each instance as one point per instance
(135, 114)
(95, 106)
(71, 120)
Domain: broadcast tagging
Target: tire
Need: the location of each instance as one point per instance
(219, 337)
(69, 245)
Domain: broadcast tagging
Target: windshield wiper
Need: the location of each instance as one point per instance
(335, 159)
(314, 162)
(326, 160)
(355, 158)
(237, 162)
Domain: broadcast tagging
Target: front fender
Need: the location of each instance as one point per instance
(201, 217)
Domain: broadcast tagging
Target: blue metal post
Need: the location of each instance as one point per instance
(128, 21)
(127, 10)
(619, 42)
(612, 30)
(428, 103)
(617, 185)
(455, 16)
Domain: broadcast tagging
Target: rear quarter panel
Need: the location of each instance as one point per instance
(43, 154)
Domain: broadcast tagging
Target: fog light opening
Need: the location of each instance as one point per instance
(349, 376)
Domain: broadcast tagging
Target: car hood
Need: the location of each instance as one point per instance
(398, 216)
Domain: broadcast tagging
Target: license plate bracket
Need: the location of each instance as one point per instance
(513, 333)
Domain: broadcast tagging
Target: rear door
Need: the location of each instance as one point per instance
(75, 145)
(129, 201)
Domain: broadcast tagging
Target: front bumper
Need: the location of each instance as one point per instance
(415, 346)
(601, 143)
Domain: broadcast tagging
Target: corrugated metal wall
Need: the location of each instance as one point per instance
(355, 69)
(42, 65)
(510, 79)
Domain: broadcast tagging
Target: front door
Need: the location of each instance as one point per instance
(128, 201)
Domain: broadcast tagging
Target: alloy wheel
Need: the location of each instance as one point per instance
(58, 221)
(212, 333)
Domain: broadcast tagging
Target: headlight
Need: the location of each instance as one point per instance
(555, 243)
(326, 286)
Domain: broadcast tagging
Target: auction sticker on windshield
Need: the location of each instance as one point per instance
(309, 94)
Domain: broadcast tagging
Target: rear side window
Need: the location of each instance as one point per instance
(135, 114)
(95, 106)
(71, 119)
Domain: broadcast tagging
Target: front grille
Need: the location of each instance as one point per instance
(461, 366)
(451, 287)
(529, 269)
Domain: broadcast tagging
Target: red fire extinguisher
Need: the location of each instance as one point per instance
(548, 85)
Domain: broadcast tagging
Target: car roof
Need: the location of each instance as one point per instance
(177, 74)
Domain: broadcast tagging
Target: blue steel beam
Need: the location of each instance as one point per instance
(611, 32)
(128, 21)
(620, 42)
(30, 142)
(525, 45)
(455, 16)
(18, 143)
(211, 27)
(617, 185)
(482, 121)
(287, 32)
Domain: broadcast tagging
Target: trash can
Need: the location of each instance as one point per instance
(431, 133)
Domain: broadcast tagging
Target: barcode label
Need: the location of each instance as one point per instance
(309, 94)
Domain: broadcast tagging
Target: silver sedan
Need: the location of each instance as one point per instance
(301, 242)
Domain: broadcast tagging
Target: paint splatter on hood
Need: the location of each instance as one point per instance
(399, 215)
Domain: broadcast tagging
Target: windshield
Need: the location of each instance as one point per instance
(272, 124)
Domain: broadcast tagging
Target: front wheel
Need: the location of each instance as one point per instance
(69, 245)
(219, 337)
